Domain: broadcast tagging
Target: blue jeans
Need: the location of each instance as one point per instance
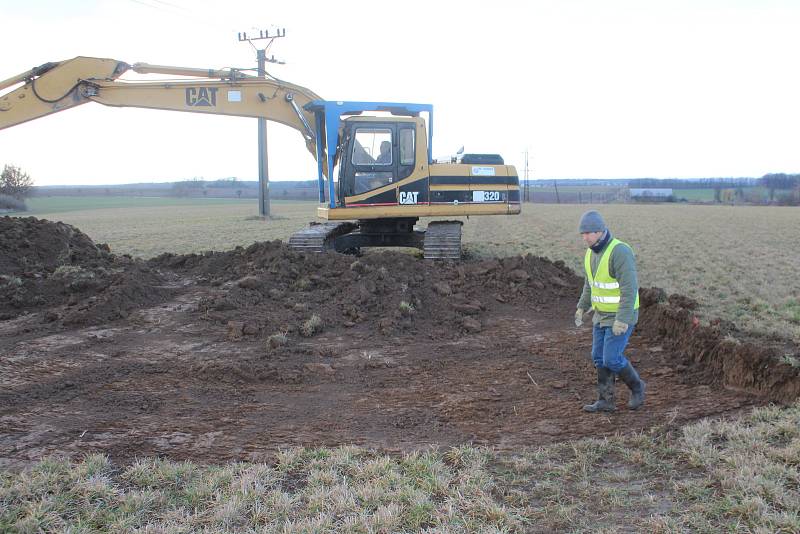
(607, 348)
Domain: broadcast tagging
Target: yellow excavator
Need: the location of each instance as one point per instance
(379, 152)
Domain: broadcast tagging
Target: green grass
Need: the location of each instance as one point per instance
(712, 476)
(48, 205)
(305, 490)
(751, 194)
(562, 188)
(695, 195)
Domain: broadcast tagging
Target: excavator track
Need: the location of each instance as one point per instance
(319, 237)
(443, 240)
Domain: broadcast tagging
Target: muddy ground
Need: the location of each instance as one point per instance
(231, 356)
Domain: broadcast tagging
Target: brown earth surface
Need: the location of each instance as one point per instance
(234, 355)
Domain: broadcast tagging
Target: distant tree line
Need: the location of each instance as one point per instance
(700, 183)
(192, 186)
(232, 183)
(235, 188)
(782, 181)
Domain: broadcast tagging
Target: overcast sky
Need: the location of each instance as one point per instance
(600, 89)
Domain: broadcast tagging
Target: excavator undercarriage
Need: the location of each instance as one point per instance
(441, 240)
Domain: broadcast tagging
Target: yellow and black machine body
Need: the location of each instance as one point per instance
(376, 174)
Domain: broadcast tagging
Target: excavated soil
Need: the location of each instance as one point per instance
(234, 355)
(55, 267)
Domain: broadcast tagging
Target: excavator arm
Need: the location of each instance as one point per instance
(54, 87)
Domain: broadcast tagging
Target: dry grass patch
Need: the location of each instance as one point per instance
(406, 308)
(185, 228)
(305, 490)
(712, 476)
(277, 340)
(311, 326)
(752, 473)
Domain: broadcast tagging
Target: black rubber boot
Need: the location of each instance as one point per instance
(605, 392)
(635, 384)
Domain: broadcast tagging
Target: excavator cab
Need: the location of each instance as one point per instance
(374, 157)
(382, 165)
(375, 154)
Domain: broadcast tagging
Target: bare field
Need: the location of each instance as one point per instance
(737, 262)
(432, 397)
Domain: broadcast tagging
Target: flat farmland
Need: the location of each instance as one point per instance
(738, 262)
(260, 389)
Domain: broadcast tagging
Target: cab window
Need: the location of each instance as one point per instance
(407, 156)
(373, 146)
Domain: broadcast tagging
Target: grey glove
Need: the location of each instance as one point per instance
(619, 328)
(579, 316)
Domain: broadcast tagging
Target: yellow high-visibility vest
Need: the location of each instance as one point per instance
(605, 289)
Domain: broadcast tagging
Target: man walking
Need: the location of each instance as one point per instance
(611, 289)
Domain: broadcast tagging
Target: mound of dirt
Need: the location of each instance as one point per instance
(718, 353)
(45, 264)
(268, 288)
(263, 348)
(30, 245)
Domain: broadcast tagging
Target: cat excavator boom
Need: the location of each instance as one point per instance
(379, 152)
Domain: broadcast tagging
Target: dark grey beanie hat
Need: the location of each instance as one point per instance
(591, 221)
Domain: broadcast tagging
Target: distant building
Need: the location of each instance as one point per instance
(651, 194)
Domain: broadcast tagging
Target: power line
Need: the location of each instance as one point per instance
(179, 11)
(173, 5)
(144, 4)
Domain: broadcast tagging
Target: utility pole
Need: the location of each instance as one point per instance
(263, 166)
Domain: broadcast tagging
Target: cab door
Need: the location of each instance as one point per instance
(369, 167)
